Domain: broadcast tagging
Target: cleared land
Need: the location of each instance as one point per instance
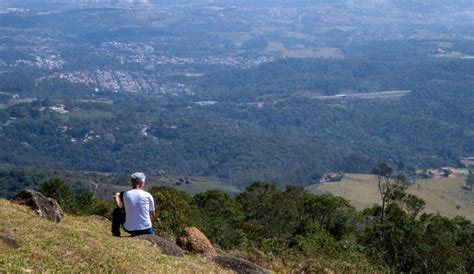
(190, 185)
(303, 52)
(392, 94)
(441, 195)
(195, 185)
(313, 53)
(454, 54)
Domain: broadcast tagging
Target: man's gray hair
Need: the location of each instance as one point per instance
(138, 177)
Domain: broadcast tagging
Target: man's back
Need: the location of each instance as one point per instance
(138, 204)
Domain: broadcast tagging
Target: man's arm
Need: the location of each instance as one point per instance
(152, 209)
(152, 216)
(118, 202)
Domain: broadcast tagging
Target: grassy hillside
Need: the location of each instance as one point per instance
(81, 244)
(441, 195)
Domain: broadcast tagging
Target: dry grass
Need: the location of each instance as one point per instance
(313, 53)
(82, 244)
(441, 195)
(360, 189)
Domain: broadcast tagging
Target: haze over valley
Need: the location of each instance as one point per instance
(232, 90)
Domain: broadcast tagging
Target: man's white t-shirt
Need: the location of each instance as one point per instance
(138, 204)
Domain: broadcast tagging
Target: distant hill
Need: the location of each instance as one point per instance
(441, 195)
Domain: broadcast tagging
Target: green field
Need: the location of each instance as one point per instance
(441, 195)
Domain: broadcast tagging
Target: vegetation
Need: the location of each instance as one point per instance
(267, 123)
(80, 204)
(14, 180)
(211, 91)
(444, 196)
(291, 139)
(73, 198)
(294, 229)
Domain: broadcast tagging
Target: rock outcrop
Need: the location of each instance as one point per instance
(46, 207)
(8, 241)
(193, 240)
(167, 247)
(239, 265)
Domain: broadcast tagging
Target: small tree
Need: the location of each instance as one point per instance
(470, 178)
(58, 190)
(258, 202)
(414, 205)
(391, 187)
(173, 210)
(221, 217)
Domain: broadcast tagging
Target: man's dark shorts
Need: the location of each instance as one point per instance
(141, 232)
(118, 219)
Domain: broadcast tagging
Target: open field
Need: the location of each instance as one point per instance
(313, 53)
(304, 52)
(441, 195)
(392, 94)
(190, 185)
(454, 54)
(194, 185)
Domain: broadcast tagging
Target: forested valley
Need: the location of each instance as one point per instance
(257, 130)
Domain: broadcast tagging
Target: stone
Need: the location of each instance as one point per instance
(8, 241)
(166, 246)
(192, 239)
(99, 218)
(46, 207)
(239, 265)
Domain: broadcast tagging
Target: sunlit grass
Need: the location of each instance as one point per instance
(442, 195)
(82, 244)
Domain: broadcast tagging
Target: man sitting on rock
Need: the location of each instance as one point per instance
(139, 209)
